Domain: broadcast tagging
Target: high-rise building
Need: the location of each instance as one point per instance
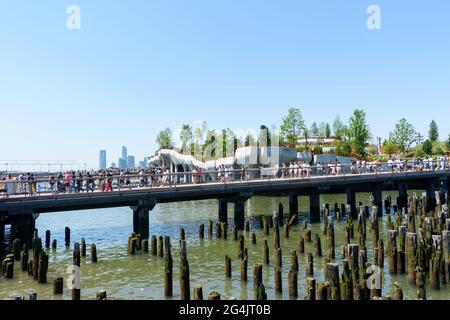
(124, 153)
(122, 163)
(102, 160)
(131, 162)
(113, 164)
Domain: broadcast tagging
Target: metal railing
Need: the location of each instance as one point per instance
(109, 182)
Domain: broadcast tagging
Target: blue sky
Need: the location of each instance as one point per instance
(136, 67)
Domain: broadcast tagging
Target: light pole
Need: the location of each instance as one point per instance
(419, 138)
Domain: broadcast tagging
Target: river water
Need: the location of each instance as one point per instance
(141, 276)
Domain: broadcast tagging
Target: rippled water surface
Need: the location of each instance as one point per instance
(141, 276)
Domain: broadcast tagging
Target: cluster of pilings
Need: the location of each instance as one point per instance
(36, 265)
(417, 243)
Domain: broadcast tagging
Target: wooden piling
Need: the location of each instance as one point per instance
(241, 247)
(261, 293)
(201, 231)
(397, 292)
(47, 239)
(67, 236)
(83, 247)
(333, 277)
(198, 293)
(420, 284)
(292, 284)
(278, 280)
(278, 257)
(244, 269)
(301, 245)
(153, 246)
(94, 253)
(247, 226)
(317, 246)
(144, 245)
(54, 245)
(182, 234)
(210, 229)
(24, 258)
(257, 275)
(286, 229)
(76, 254)
(161, 246)
(214, 296)
(266, 252)
(43, 267)
(168, 275)
(253, 238)
(294, 260)
(330, 240)
(235, 232)
(16, 249)
(101, 295)
(184, 272)
(227, 266)
(309, 265)
(310, 289)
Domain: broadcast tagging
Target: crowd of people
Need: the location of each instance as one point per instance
(111, 179)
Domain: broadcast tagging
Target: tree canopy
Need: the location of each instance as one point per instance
(359, 132)
(403, 135)
(433, 133)
(164, 139)
(293, 126)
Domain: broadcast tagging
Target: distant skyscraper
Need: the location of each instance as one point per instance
(122, 163)
(113, 164)
(124, 153)
(131, 162)
(102, 160)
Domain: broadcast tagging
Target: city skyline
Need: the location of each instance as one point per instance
(235, 66)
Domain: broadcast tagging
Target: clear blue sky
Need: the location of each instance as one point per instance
(136, 67)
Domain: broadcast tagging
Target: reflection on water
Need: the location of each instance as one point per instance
(140, 276)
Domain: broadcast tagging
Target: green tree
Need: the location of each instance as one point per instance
(427, 147)
(164, 139)
(293, 126)
(186, 136)
(433, 133)
(403, 135)
(250, 140)
(338, 127)
(327, 130)
(447, 143)
(344, 149)
(359, 132)
(314, 130)
(390, 147)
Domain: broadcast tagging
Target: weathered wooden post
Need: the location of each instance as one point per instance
(317, 246)
(234, 231)
(330, 240)
(93, 253)
(67, 236)
(214, 296)
(182, 234)
(247, 226)
(198, 293)
(278, 257)
(309, 265)
(286, 229)
(218, 230)
(83, 247)
(241, 247)
(292, 284)
(397, 293)
(244, 269)
(420, 283)
(310, 289)
(253, 238)
(257, 275)
(266, 252)
(261, 293)
(144, 245)
(227, 266)
(24, 258)
(36, 253)
(184, 272)
(153, 246)
(54, 245)
(168, 275)
(47, 239)
(76, 254)
(265, 225)
(201, 231)
(300, 245)
(294, 260)
(43, 267)
(101, 295)
(223, 230)
(347, 281)
(161, 246)
(16, 249)
(333, 277)
(278, 280)
(210, 229)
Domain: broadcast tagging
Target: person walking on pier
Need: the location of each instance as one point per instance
(109, 179)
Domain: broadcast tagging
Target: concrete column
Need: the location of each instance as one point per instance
(293, 205)
(314, 207)
(351, 201)
(378, 199)
(239, 214)
(402, 196)
(223, 210)
(22, 227)
(141, 218)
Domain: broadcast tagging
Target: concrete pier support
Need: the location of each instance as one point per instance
(239, 214)
(377, 194)
(293, 205)
(351, 201)
(22, 227)
(223, 210)
(402, 196)
(314, 207)
(141, 215)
